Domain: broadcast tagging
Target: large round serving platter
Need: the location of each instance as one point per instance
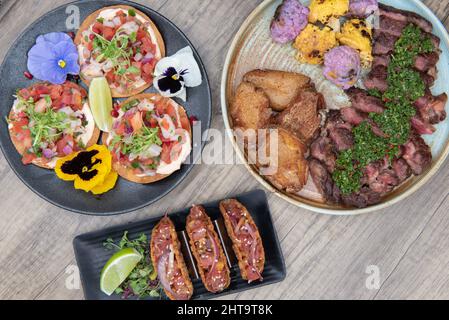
(252, 48)
(126, 196)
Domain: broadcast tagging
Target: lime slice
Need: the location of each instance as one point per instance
(100, 100)
(117, 269)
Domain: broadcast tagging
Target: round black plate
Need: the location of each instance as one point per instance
(126, 196)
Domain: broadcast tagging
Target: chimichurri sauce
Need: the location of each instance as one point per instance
(405, 86)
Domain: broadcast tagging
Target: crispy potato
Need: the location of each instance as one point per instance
(288, 171)
(302, 117)
(250, 108)
(281, 87)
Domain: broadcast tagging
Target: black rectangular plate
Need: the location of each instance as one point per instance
(91, 255)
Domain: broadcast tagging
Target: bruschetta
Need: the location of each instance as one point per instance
(122, 44)
(168, 260)
(207, 250)
(48, 122)
(247, 243)
(151, 138)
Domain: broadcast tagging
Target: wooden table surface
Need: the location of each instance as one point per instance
(327, 257)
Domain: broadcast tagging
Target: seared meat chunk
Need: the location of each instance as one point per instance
(353, 116)
(282, 88)
(365, 103)
(417, 154)
(366, 197)
(431, 108)
(323, 181)
(427, 61)
(302, 118)
(391, 26)
(322, 149)
(287, 168)
(377, 79)
(250, 108)
(384, 43)
(343, 139)
(405, 17)
(421, 126)
(402, 169)
(380, 178)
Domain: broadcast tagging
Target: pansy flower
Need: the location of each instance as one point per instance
(90, 170)
(53, 57)
(173, 74)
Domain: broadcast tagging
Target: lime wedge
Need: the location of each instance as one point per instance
(117, 269)
(100, 100)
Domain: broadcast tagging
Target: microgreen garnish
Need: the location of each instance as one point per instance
(44, 126)
(142, 282)
(116, 51)
(141, 141)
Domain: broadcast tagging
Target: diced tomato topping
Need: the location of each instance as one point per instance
(90, 46)
(55, 92)
(66, 140)
(97, 27)
(25, 94)
(67, 98)
(147, 46)
(77, 100)
(28, 158)
(110, 76)
(120, 13)
(141, 33)
(136, 121)
(165, 155)
(123, 20)
(108, 33)
(185, 123)
(137, 64)
(121, 129)
(147, 68)
(41, 90)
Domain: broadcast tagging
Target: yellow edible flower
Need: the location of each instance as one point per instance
(313, 42)
(323, 10)
(358, 35)
(91, 170)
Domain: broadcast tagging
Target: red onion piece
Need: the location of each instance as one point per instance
(67, 150)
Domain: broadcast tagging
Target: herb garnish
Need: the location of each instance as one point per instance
(44, 126)
(405, 86)
(142, 282)
(117, 51)
(140, 141)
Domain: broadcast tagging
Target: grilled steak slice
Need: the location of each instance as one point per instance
(353, 116)
(366, 197)
(381, 60)
(383, 43)
(323, 181)
(402, 169)
(364, 102)
(421, 126)
(431, 108)
(405, 16)
(380, 178)
(391, 26)
(427, 61)
(417, 154)
(377, 79)
(322, 149)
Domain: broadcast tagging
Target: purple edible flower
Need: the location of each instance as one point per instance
(53, 57)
